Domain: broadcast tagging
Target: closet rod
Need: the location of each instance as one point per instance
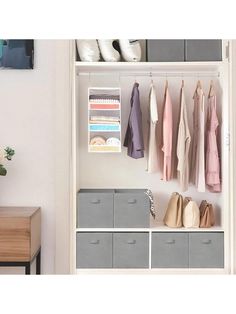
(179, 74)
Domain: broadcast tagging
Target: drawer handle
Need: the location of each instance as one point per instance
(97, 201)
(206, 242)
(170, 242)
(132, 201)
(94, 242)
(131, 241)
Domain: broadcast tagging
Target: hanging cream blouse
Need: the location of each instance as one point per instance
(167, 129)
(183, 144)
(152, 141)
(198, 149)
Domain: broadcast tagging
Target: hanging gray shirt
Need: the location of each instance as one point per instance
(134, 132)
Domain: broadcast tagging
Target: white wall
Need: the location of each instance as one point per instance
(29, 102)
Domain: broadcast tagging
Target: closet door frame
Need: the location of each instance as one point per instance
(229, 165)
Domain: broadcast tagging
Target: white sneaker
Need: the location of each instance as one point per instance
(130, 49)
(109, 53)
(88, 50)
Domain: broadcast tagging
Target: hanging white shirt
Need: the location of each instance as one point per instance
(152, 142)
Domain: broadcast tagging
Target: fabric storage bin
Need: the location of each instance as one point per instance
(206, 250)
(170, 250)
(95, 208)
(131, 209)
(203, 50)
(165, 50)
(93, 250)
(130, 250)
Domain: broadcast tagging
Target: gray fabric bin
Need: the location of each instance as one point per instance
(203, 50)
(93, 250)
(131, 209)
(170, 250)
(95, 208)
(165, 50)
(206, 250)
(130, 250)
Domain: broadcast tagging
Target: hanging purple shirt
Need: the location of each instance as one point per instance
(134, 132)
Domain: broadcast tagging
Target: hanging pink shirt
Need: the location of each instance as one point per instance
(212, 156)
(167, 136)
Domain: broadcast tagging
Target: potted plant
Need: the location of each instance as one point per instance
(5, 154)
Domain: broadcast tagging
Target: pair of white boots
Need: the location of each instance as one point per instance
(89, 50)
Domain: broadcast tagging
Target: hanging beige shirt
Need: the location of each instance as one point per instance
(183, 144)
(167, 127)
(198, 151)
(152, 165)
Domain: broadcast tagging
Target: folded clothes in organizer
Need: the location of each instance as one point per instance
(104, 127)
(105, 118)
(103, 106)
(103, 122)
(113, 141)
(98, 140)
(104, 101)
(104, 96)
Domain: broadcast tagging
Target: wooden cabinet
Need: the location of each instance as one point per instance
(20, 235)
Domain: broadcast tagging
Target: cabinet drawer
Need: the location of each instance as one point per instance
(206, 250)
(203, 50)
(130, 250)
(95, 209)
(131, 209)
(165, 50)
(170, 250)
(93, 250)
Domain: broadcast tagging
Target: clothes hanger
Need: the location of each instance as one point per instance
(166, 83)
(199, 85)
(151, 78)
(182, 85)
(211, 89)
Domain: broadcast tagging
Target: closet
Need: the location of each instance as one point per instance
(110, 176)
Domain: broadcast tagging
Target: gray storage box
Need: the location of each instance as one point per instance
(206, 250)
(131, 209)
(203, 50)
(93, 250)
(95, 208)
(165, 50)
(130, 250)
(170, 250)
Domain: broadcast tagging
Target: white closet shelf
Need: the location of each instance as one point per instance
(161, 228)
(84, 67)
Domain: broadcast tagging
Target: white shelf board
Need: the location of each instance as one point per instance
(160, 228)
(148, 271)
(84, 67)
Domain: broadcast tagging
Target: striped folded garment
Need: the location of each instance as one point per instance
(104, 122)
(105, 118)
(104, 96)
(104, 101)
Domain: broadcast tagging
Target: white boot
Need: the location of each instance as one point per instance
(109, 53)
(88, 50)
(130, 49)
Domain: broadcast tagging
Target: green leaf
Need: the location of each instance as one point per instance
(3, 171)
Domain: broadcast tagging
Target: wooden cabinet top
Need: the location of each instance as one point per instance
(20, 233)
(17, 212)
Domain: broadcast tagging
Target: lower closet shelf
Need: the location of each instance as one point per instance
(149, 249)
